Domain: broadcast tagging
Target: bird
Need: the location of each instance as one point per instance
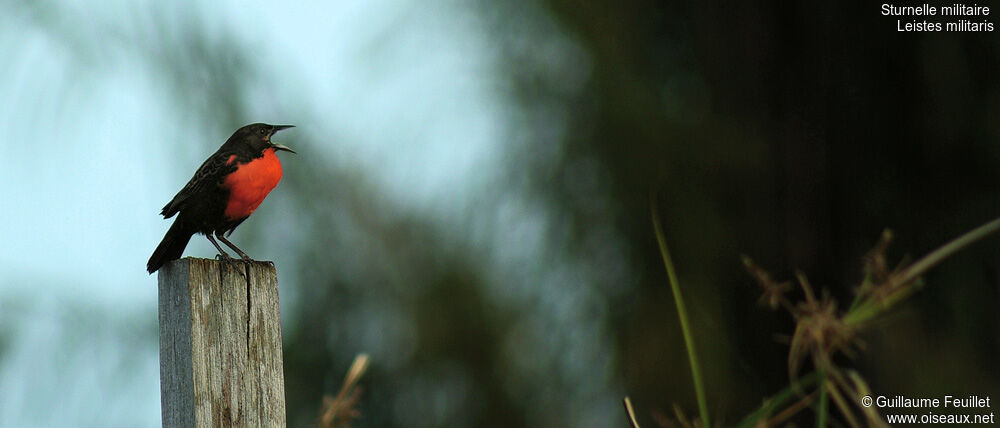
(225, 190)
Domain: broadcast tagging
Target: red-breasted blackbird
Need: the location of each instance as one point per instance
(225, 190)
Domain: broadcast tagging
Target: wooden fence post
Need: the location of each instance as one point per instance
(220, 345)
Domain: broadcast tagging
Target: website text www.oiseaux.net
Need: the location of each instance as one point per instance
(951, 410)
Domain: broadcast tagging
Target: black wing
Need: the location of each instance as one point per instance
(209, 174)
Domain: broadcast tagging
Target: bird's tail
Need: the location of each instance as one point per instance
(172, 245)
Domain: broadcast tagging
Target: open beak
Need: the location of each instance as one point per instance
(279, 147)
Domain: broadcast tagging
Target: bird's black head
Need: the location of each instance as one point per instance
(257, 137)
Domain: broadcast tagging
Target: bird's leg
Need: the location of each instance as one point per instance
(234, 247)
(222, 253)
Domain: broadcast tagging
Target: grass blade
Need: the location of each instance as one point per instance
(874, 306)
(822, 414)
(699, 388)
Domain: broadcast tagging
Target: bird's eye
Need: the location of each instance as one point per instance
(262, 131)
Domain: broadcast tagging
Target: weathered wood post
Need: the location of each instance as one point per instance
(220, 345)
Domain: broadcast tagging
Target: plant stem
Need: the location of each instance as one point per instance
(946, 250)
(630, 412)
(682, 315)
(873, 306)
(823, 412)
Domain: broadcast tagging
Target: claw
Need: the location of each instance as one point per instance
(235, 263)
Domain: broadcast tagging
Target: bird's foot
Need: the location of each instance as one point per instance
(243, 256)
(235, 263)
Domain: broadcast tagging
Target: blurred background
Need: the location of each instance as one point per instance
(470, 202)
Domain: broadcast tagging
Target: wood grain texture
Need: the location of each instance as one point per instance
(220, 345)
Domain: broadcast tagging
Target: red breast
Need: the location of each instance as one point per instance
(250, 184)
